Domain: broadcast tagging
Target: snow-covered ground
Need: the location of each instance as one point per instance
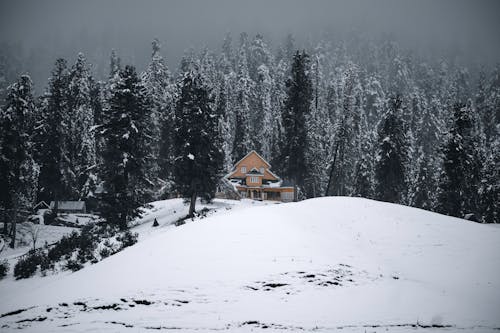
(320, 265)
(45, 234)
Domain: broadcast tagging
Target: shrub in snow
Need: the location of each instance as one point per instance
(4, 268)
(64, 247)
(127, 239)
(105, 252)
(49, 217)
(28, 264)
(155, 223)
(71, 252)
(73, 265)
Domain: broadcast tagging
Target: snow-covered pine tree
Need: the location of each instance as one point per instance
(423, 180)
(295, 113)
(462, 162)
(363, 169)
(279, 93)
(319, 130)
(81, 140)
(127, 155)
(198, 157)
(156, 79)
(52, 134)
(242, 142)
(226, 63)
(265, 121)
(341, 168)
(391, 159)
(490, 184)
(225, 115)
(18, 170)
(491, 112)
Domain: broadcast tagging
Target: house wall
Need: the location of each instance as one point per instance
(252, 183)
(252, 161)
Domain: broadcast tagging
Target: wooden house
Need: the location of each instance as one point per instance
(252, 178)
(70, 207)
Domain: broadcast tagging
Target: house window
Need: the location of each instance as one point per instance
(287, 196)
(254, 180)
(261, 170)
(243, 169)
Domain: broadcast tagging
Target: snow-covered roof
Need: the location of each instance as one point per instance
(68, 205)
(253, 151)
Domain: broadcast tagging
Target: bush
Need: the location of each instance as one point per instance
(127, 239)
(105, 252)
(4, 268)
(73, 265)
(49, 217)
(28, 264)
(64, 247)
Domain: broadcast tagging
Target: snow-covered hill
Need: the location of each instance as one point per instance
(317, 265)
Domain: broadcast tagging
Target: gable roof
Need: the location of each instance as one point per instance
(254, 171)
(68, 205)
(253, 152)
(41, 204)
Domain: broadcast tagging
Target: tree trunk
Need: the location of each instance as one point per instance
(5, 224)
(192, 205)
(13, 229)
(332, 171)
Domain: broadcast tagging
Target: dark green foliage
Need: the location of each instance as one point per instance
(462, 162)
(296, 110)
(127, 155)
(74, 250)
(28, 264)
(490, 186)
(105, 252)
(423, 192)
(198, 153)
(4, 268)
(50, 137)
(18, 170)
(73, 265)
(127, 239)
(390, 168)
(64, 247)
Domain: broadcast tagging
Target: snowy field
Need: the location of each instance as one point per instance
(322, 265)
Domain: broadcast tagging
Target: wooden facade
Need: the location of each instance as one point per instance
(252, 178)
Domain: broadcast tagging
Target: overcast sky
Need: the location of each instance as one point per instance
(65, 27)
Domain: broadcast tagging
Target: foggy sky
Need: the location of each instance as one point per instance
(66, 27)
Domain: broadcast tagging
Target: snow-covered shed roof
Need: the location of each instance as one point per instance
(68, 205)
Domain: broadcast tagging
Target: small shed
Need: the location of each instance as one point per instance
(41, 205)
(70, 207)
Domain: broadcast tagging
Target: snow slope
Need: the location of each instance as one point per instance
(319, 265)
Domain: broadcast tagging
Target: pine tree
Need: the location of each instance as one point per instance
(19, 172)
(391, 159)
(424, 186)
(491, 112)
(297, 109)
(127, 155)
(224, 115)
(490, 185)
(363, 170)
(198, 154)
(264, 122)
(53, 155)
(346, 130)
(81, 139)
(462, 161)
(156, 79)
(242, 142)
